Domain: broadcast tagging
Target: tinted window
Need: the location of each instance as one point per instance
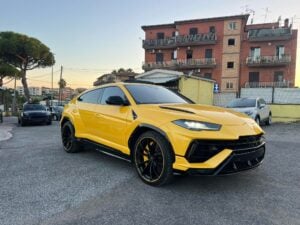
(242, 103)
(112, 91)
(91, 96)
(33, 107)
(148, 94)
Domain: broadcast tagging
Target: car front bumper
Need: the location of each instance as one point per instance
(226, 161)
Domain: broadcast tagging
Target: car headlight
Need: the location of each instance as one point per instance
(24, 114)
(249, 113)
(197, 125)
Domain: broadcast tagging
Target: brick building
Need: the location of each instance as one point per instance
(225, 49)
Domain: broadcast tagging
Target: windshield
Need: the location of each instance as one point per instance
(148, 94)
(33, 107)
(242, 103)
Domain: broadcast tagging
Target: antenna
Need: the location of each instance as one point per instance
(247, 10)
(267, 11)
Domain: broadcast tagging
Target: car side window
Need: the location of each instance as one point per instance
(112, 91)
(91, 96)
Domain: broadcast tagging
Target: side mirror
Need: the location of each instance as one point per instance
(116, 100)
(262, 106)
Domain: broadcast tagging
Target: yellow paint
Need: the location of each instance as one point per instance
(113, 125)
(182, 164)
(198, 90)
(285, 113)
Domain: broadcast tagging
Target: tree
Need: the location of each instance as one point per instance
(7, 70)
(25, 53)
(62, 83)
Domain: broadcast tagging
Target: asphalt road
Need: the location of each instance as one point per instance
(41, 184)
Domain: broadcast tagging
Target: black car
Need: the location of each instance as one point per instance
(34, 114)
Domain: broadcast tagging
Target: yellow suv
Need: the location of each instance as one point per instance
(161, 132)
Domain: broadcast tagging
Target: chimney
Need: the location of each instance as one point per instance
(286, 23)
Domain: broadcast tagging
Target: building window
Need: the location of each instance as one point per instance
(160, 35)
(193, 31)
(173, 34)
(208, 75)
(229, 85)
(208, 53)
(230, 65)
(280, 51)
(231, 41)
(255, 52)
(232, 26)
(253, 77)
(212, 29)
(174, 55)
(189, 54)
(278, 76)
(159, 57)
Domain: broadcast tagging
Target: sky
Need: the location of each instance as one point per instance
(93, 37)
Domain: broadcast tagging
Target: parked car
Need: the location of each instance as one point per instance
(161, 132)
(256, 108)
(33, 114)
(56, 112)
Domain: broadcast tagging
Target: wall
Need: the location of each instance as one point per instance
(276, 96)
(222, 99)
(200, 91)
(285, 113)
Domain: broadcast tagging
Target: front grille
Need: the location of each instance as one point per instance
(202, 150)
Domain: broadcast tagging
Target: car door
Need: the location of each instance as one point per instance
(264, 112)
(86, 109)
(110, 121)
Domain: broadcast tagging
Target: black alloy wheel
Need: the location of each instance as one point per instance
(153, 159)
(69, 141)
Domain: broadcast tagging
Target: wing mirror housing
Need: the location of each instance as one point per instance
(116, 100)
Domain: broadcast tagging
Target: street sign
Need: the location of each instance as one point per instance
(216, 88)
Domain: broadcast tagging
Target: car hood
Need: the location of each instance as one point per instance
(243, 110)
(198, 112)
(36, 112)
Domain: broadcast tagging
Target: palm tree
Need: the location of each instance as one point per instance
(61, 84)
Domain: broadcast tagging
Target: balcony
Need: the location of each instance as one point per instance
(277, 84)
(181, 64)
(182, 40)
(265, 61)
(276, 34)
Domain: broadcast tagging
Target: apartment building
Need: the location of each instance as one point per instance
(33, 91)
(224, 49)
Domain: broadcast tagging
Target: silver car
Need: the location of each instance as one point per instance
(256, 108)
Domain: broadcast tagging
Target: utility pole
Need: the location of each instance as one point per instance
(52, 86)
(15, 97)
(61, 71)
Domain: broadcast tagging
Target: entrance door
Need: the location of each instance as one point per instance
(159, 57)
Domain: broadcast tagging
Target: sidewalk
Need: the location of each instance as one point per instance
(6, 127)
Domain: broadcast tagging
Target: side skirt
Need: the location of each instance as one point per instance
(106, 150)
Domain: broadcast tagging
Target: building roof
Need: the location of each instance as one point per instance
(173, 25)
(159, 76)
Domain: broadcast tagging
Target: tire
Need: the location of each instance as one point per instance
(49, 122)
(257, 120)
(153, 159)
(269, 120)
(22, 123)
(69, 141)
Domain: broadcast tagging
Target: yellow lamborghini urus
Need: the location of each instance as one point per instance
(161, 132)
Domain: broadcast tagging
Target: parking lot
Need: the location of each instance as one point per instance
(41, 184)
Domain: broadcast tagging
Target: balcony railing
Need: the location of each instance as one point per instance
(182, 40)
(278, 84)
(181, 64)
(269, 34)
(259, 61)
